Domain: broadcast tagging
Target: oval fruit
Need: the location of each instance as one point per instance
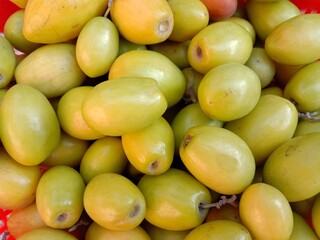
(59, 197)
(13, 32)
(303, 89)
(103, 155)
(96, 232)
(143, 21)
(301, 229)
(50, 233)
(293, 167)
(123, 105)
(95, 55)
(114, 202)
(170, 208)
(150, 150)
(58, 21)
(265, 211)
(219, 230)
(18, 182)
(315, 215)
(218, 158)
(220, 9)
(157, 233)
(31, 127)
(219, 43)
(8, 62)
(229, 91)
(52, 69)
(69, 112)
(189, 18)
(257, 127)
(151, 64)
(287, 43)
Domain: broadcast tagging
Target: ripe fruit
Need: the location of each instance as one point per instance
(115, 107)
(151, 64)
(101, 202)
(219, 230)
(303, 89)
(265, 211)
(59, 197)
(69, 112)
(190, 16)
(157, 233)
(229, 91)
(52, 69)
(293, 168)
(143, 21)
(58, 21)
(219, 43)
(287, 43)
(150, 150)
(18, 182)
(315, 216)
(8, 62)
(103, 155)
(220, 9)
(49, 233)
(168, 206)
(96, 232)
(28, 123)
(218, 158)
(301, 229)
(257, 128)
(95, 55)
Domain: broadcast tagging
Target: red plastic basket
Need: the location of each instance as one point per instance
(7, 8)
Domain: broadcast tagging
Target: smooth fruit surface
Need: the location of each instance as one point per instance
(8, 62)
(101, 202)
(50, 233)
(31, 127)
(218, 158)
(265, 211)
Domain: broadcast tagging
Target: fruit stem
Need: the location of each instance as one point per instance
(4, 235)
(79, 223)
(108, 8)
(223, 201)
(309, 116)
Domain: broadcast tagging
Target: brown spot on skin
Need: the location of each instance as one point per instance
(199, 52)
(62, 217)
(136, 209)
(186, 141)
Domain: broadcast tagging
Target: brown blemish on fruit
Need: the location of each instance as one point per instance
(62, 217)
(135, 210)
(186, 141)
(199, 52)
(154, 165)
(164, 26)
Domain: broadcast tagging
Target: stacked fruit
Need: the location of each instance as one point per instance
(162, 119)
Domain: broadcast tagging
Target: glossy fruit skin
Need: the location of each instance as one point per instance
(115, 107)
(315, 215)
(301, 229)
(219, 43)
(219, 230)
(287, 43)
(52, 69)
(226, 212)
(69, 112)
(303, 88)
(150, 150)
(293, 167)
(13, 32)
(245, 24)
(265, 211)
(229, 91)
(18, 182)
(101, 202)
(24, 220)
(61, 21)
(31, 127)
(8, 62)
(189, 18)
(151, 64)
(157, 233)
(103, 155)
(144, 21)
(218, 158)
(96, 232)
(220, 9)
(50, 233)
(265, 16)
(126, 46)
(69, 152)
(95, 55)
(262, 65)
(257, 127)
(170, 208)
(189, 116)
(59, 197)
